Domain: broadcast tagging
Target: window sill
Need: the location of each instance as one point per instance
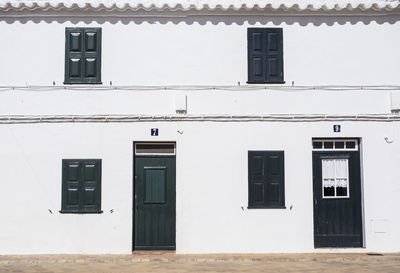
(266, 207)
(250, 82)
(80, 212)
(69, 83)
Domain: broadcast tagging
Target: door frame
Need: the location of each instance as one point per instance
(133, 184)
(361, 175)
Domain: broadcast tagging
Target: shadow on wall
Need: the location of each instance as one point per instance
(249, 19)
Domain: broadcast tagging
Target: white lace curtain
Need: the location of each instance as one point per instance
(335, 170)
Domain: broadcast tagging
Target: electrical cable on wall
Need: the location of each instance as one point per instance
(29, 119)
(136, 88)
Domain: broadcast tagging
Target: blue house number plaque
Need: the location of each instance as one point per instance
(154, 131)
(336, 128)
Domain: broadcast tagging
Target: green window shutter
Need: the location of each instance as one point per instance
(256, 55)
(265, 55)
(71, 194)
(73, 55)
(82, 56)
(81, 186)
(266, 179)
(91, 185)
(274, 55)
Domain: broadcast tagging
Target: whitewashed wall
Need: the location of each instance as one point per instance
(211, 156)
(211, 186)
(207, 50)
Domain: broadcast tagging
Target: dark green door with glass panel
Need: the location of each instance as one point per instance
(154, 203)
(337, 194)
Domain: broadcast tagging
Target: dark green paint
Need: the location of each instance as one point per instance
(266, 179)
(154, 203)
(265, 55)
(154, 185)
(337, 221)
(82, 56)
(81, 186)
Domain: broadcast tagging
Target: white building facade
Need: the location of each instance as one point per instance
(199, 126)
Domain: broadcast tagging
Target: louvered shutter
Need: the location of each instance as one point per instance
(91, 185)
(82, 55)
(265, 55)
(266, 179)
(274, 53)
(81, 185)
(71, 185)
(256, 55)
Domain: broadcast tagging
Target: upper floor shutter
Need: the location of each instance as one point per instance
(265, 55)
(82, 55)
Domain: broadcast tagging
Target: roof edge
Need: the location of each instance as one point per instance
(389, 7)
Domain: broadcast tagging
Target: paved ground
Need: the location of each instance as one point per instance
(169, 262)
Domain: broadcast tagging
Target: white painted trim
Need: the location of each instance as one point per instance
(323, 140)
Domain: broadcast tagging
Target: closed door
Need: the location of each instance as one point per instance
(154, 206)
(337, 199)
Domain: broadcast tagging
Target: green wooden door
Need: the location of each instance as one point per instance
(337, 199)
(154, 205)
